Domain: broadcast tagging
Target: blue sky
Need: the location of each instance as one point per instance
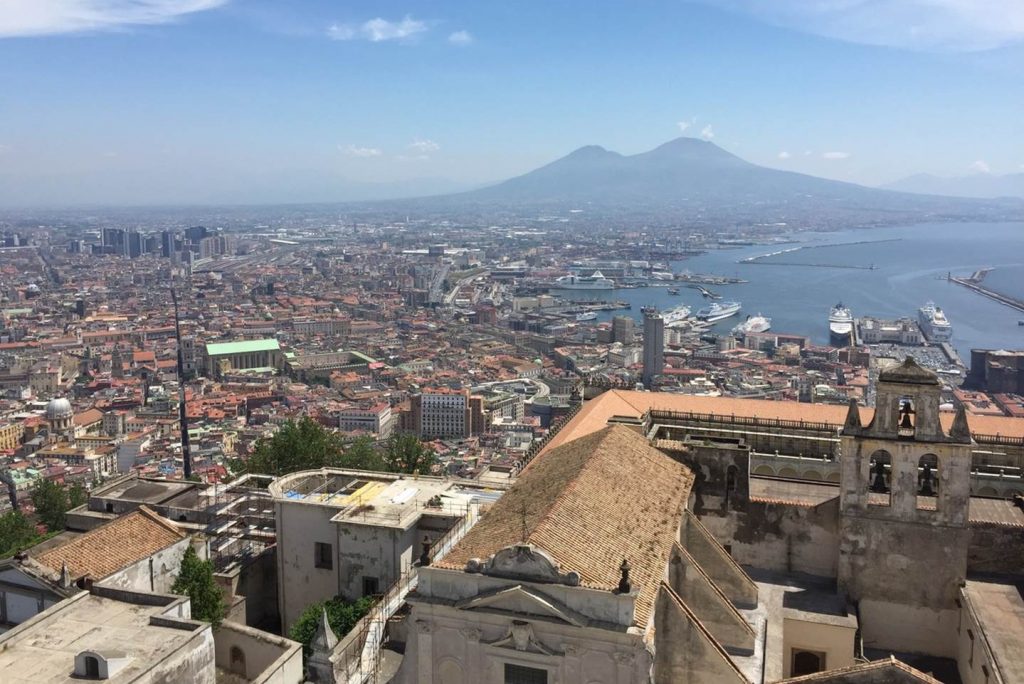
(167, 101)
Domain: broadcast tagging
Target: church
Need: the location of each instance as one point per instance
(677, 539)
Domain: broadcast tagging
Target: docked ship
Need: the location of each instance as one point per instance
(840, 324)
(597, 281)
(719, 311)
(753, 324)
(586, 316)
(676, 315)
(934, 323)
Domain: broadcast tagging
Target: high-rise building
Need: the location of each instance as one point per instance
(622, 329)
(654, 345)
(134, 243)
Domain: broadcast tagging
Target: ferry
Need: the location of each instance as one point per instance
(597, 281)
(753, 324)
(676, 315)
(840, 324)
(586, 316)
(719, 311)
(934, 323)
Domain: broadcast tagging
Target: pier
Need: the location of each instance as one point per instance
(759, 259)
(974, 283)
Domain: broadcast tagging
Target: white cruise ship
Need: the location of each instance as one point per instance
(597, 281)
(934, 324)
(840, 324)
(753, 324)
(719, 311)
(586, 316)
(676, 315)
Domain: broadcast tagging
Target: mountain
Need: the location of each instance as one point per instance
(974, 185)
(692, 179)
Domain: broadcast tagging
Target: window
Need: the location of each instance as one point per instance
(970, 658)
(807, 662)
(371, 586)
(518, 674)
(880, 479)
(323, 556)
(92, 667)
(238, 661)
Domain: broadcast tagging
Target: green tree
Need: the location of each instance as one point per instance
(302, 445)
(341, 614)
(51, 502)
(77, 495)
(195, 580)
(405, 453)
(362, 454)
(16, 532)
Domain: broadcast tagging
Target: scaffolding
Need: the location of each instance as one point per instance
(240, 520)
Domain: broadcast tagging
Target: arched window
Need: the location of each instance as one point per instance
(928, 481)
(880, 479)
(807, 662)
(238, 661)
(907, 418)
(92, 667)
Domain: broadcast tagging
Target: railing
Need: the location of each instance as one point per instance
(656, 415)
(555, 428)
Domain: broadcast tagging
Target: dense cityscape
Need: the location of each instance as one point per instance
(337, 348)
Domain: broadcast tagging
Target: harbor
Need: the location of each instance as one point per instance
(974, 282)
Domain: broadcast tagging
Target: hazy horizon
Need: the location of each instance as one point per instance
(117, 102)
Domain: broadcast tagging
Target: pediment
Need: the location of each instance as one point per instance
(522, 600)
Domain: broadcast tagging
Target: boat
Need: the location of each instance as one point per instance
(673, 290)
(597, 281)
(719, 311)
(586, 316)
(840, 324)
(934, 323)
(753, 324)
(676, 315)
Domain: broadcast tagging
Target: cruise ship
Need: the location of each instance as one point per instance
(934, 323)
(586, 316)
(597, 281)
(753, 324)
(676, 315)
(718, 311)
(840, 324)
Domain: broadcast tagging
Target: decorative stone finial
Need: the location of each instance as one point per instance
(960, 431)
(852, 423)
(65, 576)
(624, 586)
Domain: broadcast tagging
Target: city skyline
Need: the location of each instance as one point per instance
(206, 101)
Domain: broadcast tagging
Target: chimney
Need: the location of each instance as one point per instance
(624, 586)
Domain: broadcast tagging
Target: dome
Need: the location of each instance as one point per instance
(58, 409)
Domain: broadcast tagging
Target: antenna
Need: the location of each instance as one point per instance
(186, 452)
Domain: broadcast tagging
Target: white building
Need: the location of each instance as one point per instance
(354, 533)
(442, 414)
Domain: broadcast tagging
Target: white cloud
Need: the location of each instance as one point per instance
(684, 124)
(835, 155)
(981, 166)
(707, 133)
(784, 155)
(424, 146)
(357, 151)
(49, 17)
(378, 30)
(808, 153)
(460, 38)
(413, 157)
(956, 25)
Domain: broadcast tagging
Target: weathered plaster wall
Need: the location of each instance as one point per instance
(299, 526)
(685, 653)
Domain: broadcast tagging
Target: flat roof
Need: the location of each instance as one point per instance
(43, 649)
(1000, 612)
(378, 499)
(242, 347)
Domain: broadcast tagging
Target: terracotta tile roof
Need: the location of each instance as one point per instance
(590, 503)
(114, 546)
(595, 413)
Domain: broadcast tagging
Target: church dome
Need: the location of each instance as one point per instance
(58, 409)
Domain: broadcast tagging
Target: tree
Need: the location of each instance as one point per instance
(302, 445)
(77, 495)
(16, 532)
(405, 453)
(341, 614)
(51, 503)
(195, 580)
(361, 454)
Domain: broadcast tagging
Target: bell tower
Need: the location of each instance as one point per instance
(904, 498)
